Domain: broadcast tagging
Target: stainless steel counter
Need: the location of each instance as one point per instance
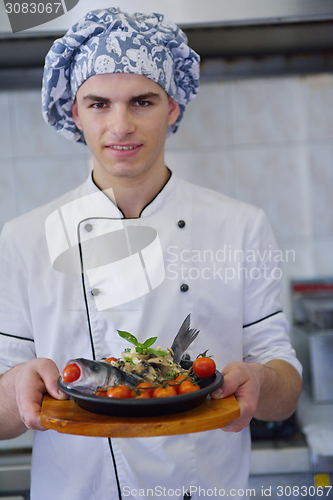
(295, 467)
(15, 465)
(280, 456)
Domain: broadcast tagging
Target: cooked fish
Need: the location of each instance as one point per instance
(183, 339)
(95, 374)
(135, 367)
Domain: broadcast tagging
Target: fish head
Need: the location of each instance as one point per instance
(93, 374)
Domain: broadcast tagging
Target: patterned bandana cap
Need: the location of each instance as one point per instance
(111, 41)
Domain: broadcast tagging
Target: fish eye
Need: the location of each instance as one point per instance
(94, 367)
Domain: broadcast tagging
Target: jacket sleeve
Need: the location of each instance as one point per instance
(16, 339)
(265, 327)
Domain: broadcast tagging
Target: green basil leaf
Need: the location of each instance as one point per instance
(150, 350)
(149, 342)
(129, 337)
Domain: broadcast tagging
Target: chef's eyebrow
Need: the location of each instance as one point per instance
(106, 100)
(143, 97)
(95, 98)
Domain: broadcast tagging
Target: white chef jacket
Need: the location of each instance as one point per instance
(225, 254)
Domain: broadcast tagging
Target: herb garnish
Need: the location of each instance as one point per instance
(143, 348)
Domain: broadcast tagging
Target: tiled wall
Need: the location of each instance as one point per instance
(36, 164)
(267, 141)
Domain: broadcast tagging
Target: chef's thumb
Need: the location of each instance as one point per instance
(217, 394)
(55, 392)
(50, 374)
(226, 389)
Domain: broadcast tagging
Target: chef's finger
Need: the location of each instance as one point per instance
(234, 426)
(247, 404)
(34, 379)
(30, 389)
(49, 373)
(228, 387)
(30, 415)
(239, 423)
(217, 394)
(234, 375)
(247, 396)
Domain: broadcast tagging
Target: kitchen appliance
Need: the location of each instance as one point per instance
(312, 335)
(15, 465)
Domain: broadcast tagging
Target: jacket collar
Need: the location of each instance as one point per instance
(162, 198)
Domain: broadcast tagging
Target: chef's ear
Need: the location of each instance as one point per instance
(174, 111)
(75, 115)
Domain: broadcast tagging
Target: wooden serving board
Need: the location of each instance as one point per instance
(67, 417)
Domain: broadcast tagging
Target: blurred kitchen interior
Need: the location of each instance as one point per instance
(260, 130)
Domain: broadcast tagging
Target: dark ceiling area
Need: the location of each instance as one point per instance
(227, 46)
(264, 40)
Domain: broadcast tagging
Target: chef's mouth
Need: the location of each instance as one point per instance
(123, 150)
(123, 147)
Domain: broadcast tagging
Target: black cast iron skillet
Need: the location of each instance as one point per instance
(145, 407)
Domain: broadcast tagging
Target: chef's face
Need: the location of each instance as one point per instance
(124, 119)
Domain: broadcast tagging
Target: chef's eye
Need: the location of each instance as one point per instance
(142, 103)
(98, 105)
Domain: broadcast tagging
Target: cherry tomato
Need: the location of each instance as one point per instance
(143, 395)
(71, 373)
(119, 392)
(147, 387)
(187, 386)
(108, 360)
(176, 382)
(204, 367)
(164, 392)
(100, 393)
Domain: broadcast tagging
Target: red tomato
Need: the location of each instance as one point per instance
(108, 360)
(164, 392)
(119, 392)
(187, 386)
(142, 395)
(204, 367)
(176, 382)
(100, 393)
(71, 373)
(147, 387)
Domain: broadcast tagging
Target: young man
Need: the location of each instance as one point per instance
(120, 83)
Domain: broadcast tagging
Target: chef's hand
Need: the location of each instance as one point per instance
(242, 380)
(32, 381)
(267, 392)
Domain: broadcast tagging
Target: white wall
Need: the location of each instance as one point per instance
(266, 141)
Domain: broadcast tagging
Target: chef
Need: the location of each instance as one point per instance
(137, 249)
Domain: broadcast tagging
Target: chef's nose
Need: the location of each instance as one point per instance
(121, 122)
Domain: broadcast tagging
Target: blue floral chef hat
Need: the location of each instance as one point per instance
(111, 41)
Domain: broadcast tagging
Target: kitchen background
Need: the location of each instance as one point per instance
(260, 130)
(267, 141)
